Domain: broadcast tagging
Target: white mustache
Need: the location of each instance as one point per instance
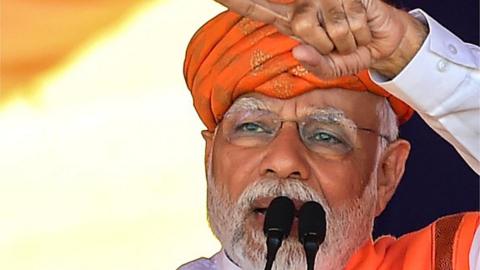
(274, 187)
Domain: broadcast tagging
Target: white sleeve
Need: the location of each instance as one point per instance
(442, 84)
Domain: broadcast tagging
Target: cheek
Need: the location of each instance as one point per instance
(234, 169)
(340, 181)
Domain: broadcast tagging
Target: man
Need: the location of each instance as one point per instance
(276, 129)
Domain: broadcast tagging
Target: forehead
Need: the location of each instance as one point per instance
(360, 107)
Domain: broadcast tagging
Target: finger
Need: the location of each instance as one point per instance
(306, 54)
(333, 65)
(262, 10)
(357, 21)
(336, 24)
(306, 26)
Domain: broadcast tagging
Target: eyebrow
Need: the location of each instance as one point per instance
(329, 114)
(247, 104)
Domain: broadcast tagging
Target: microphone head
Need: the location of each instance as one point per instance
(312, 222)
(279, 216)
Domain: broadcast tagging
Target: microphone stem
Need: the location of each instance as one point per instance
(310, 262)
(311, 248)
(274, 241)
(269, 265)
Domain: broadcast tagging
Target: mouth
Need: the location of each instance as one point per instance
(260, 205)
(259, 209)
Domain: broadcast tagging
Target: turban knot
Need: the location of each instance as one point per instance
(232, 55)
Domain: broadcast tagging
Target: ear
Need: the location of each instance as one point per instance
(208, 137)
(390, 171)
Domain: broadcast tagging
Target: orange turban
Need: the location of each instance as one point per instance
(232, 55)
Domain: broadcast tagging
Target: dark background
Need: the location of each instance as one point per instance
(437, 182)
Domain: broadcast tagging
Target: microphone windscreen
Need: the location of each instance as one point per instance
(312, 221)
(279, 216)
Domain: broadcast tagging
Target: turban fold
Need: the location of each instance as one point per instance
(232, 55)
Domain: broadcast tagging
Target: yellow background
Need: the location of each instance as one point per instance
(101, 166)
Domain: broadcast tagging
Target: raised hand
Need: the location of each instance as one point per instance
(341, 37)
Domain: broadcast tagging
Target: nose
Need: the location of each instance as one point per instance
(286, 156)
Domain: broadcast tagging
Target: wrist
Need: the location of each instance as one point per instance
(415, 34)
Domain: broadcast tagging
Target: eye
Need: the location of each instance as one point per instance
(251, 127)
(324, 137)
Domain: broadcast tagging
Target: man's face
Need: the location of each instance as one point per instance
(259, 153)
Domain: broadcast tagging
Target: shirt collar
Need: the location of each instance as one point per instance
(223, 262)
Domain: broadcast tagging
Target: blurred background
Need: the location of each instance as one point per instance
(101, 158)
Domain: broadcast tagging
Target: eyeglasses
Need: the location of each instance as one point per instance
(325, 131)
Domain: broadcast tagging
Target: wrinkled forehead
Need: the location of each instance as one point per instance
(360, 107)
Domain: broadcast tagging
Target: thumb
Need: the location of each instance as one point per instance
(307, 54)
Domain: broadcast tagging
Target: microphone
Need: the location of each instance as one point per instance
(312, 228)
(277, 226)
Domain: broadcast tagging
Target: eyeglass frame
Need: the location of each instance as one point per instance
(333, 117)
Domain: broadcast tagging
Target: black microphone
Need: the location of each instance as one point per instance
(312, 227)
(277, 226)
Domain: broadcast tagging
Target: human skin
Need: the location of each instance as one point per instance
(339, 179)
(342, 37)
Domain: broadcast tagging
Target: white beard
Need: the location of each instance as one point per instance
(348, 226)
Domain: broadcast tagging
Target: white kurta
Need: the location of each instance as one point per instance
(442, 84)
(218, 261)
